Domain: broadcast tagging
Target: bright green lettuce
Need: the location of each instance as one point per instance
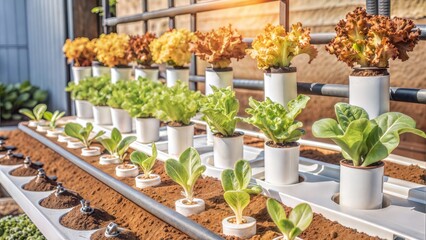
(118, 93)
(276, 121)
(81, 133)
(220, 111)
(144, 161)
(82, 90)
(116, 145)
(36, 114)
(100, 91)
(298, 220)
(364, 141)
(53, 118)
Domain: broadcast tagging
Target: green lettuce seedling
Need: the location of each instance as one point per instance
(235, 184)
(53, 118)
(81, 133)
(142, 98)
(82, 90)
(36, 114)
(298, 220)
(117, 145)
(100, 91)
(276, 121)
(144, 161)
(178, 104)
(186, 171)
(220, 111)
(364, 141)
(118, 94)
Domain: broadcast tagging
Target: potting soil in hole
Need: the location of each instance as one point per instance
(11, 160)
(24, 171)
(79, 221)
(125, 235)
(64, 200)
(44, 184)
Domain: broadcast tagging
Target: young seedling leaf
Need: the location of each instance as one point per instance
(73, 130)
(239, 178)
(301, 216)
(144, 161)
(27, 113)
(238, 201)
(39, 111)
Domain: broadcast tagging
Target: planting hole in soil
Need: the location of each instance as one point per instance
(61, 199)
(187, 209)
(40, 183)
(28, 169)
(113, 232)
(11, 158)
(86, 218)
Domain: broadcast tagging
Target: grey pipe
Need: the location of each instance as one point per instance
(184, 224)
(384, 7)
(371, 6)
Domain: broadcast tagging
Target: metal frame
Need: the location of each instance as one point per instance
(381, 7)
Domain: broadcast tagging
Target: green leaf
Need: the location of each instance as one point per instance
(116, 135)
(124, 145)
(301, 216)
(30, 103)
(109, 145)
(294, 233)
(145, 162)
(346, 113)
(39, 111)
(27, 113)
(176, 172)
(285, 226)
(239, 178)
(73, 130)
(238, 201)
(276, 211)
(242, 173)
(228, 180)
(48, 115)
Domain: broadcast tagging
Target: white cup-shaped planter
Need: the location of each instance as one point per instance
(197, 206)
(121, 73)
(142, 182)
(64, 138)
(175, 74)
(108, 159)
(282, 238)
(147, 129)
(53, 133)
(126, 170)
(121, 120)
(282, 164)
(244, 230)
(80, 73)
(42, 128)
(32, 123)
(83, 109)
(102, 115)
(74, 144)
(179, 139)
(149, 73)
(90, 152)
(99, 69)
(370, 93)
(281, 87)
(361, 187)
(227, 150)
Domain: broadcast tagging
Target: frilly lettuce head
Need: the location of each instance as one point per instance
(112, 49)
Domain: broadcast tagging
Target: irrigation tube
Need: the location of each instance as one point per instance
(193, 229)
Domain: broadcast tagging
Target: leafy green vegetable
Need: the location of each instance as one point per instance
(117, 145)
(298, 221)
(17, 96)
(239, 178)
(81, 133)
(220, 111)
(186, 171)
(19, 227)
(100, 91)
(82, 90)
(142, 97)
(364, 141)
(36, 114)
(237, 200)
(53, 118)
(178, 104)
(145, 162)
(118, 93)
(276, 121)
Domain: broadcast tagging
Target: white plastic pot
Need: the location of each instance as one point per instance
(83, 109)
(74, 143)
(149, 73)
(120, 73)
(188, 210)
(100, 70)
(175, 74)
(370, 93)
(142, 182)
(220, 78)
(179, 139)
(227, 151)
(131, 170)
(361, 187)
(90, 152)
(244, 230)
(42, 128)
(282, 238)
(64, 138)
(280, 87)
(147, 129)
(121, 120)
(54, 133)
(80, 73)
(102, 115)
(32, 123)
(282, 165)
(108, 159)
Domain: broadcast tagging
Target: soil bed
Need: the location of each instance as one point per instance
(44, 184)
(6, 160)
(25, 171)
(125, 235)
(66, 199)
(79, 221)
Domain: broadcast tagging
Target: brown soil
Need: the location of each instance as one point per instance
(369, 72)
(24, 171)
(44, 184)
(66, 199)
(6, 160)
(8, 206)
(126, 166)
(282, 70)
(236, 134)
(282, 145)
(79, 221)
(125, 235)
(175, 124)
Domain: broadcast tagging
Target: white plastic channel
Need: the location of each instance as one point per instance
(46, 220)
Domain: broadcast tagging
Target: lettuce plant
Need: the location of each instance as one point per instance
(80, 50)
(276, 48)
(53, 118)
(139, 49)
(144, 161)
(276, 121)
(112, 49)
(220, 111)
(142, 98)
(371, 40)
(297, 221)
(82, 90)
(81, 133)
(118, 94)
(178, 104)
(117, 145)
(36, 114)
(100, 91)
(364, 141)
(186, 171)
